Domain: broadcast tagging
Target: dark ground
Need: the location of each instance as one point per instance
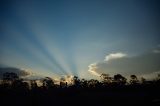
(146, 96)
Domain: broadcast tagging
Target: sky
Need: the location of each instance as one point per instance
(80, 37)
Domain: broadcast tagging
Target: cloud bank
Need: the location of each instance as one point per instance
(121, 63)
(19, 72)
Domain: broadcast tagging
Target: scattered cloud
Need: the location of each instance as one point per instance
(122, 63)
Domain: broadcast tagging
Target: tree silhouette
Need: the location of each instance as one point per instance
(76, 81)
(106, 79)
(63, 83)
(10, 76)
(93, 83)
(84, 83)
(12, 80)
(143, 80)
(158, 77)
(134, 79)
(57, 95)
(119, 79)
(33, 84)
(48, 82)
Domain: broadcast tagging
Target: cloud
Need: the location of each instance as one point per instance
(150, 76)
(114, 56)
(67, 78)
(157, 50)
(93, 68)
(19, 72)
(122, 63)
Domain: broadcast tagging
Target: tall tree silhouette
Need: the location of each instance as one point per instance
(76, 81)
(63, 83)
(48, 82)
(106, 79)
(34, 84)
(158, 78)
(93, 83)
(84, 83)
(134, 79)
(143, 80)
(119, 79)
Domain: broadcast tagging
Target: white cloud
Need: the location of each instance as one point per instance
(114, 56)
(156, 51)
(92, 69)
(125, 65)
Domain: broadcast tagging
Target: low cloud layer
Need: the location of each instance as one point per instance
(19, 72)
(114, 63)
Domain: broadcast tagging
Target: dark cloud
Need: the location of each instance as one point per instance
(19, 72)
(126, 65)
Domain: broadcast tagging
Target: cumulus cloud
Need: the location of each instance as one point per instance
(122, 63)
(19, 72)
(114, 56)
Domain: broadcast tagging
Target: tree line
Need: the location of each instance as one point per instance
(12, 80)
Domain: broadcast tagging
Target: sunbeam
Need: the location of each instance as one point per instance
(64, 38)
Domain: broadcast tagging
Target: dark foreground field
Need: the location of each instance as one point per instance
(149, 96)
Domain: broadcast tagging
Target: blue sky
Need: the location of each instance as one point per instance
(60, 37)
